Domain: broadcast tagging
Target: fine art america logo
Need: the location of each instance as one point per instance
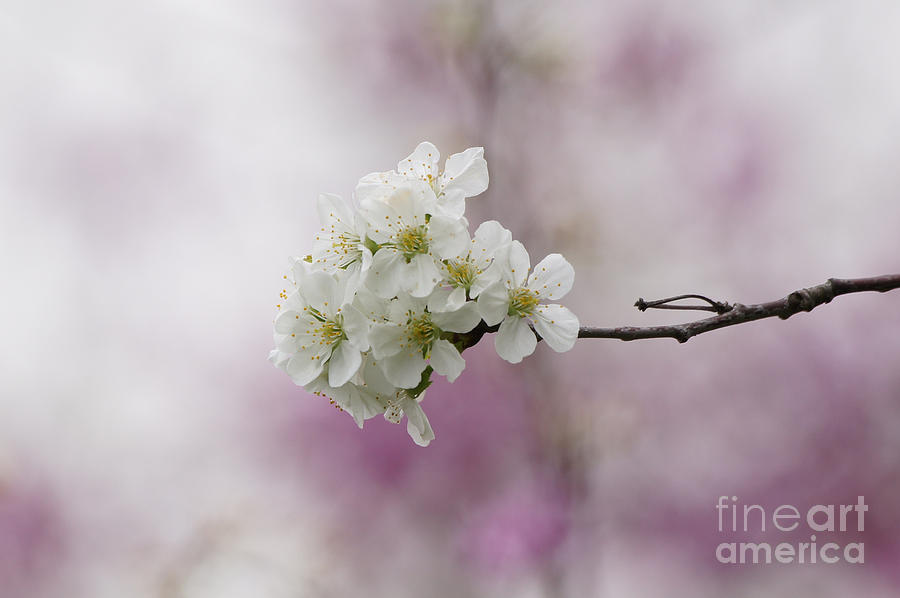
(753, 519)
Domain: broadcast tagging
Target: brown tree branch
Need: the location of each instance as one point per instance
(730, 315)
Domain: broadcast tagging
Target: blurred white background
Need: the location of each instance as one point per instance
(159, 162)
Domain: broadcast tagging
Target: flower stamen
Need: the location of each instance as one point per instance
(331, 330)
(412, 241)
(422, 332)
(461, 273)
(522, 302)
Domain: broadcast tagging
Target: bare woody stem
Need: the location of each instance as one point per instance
(731, 315)
(727, 314)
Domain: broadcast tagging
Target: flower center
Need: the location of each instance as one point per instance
(412, 241)
(393, 411)
(461, 273)
(422, 332)
(522, 302)
(343, 249)
(330, 331)
(346, 249)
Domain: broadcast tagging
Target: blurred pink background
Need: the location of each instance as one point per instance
(159, 162)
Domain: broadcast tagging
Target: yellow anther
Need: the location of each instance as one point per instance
(522, 302)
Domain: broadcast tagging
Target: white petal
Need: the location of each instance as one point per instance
(557, 326)
(288, 321)
(552, 277)
(407, 201)
(405, 304)
(319, 289)
(448, 237)
(378, 214)
(344, 363)
(334, 211)
(489, 237)
(385, 339)
(446, 298)
(371, 306)
(437, 301)
(319, 385)
(375, 381)
(351, 279)
(377, 185)
(338, 290)
(452, 204)
(356, 409)
(303, 368)
(426, 200)
(290, 343)
(466, 171)
(384, 278)
(294, 302)
(456, 299)
(279, 358)
(420, 275)
(404, 369)
(417, 424)
(362, 406)
(446, 360)
(463, 319)
(356, 327)
(493, 303)
(299, 269)
(513, 263)
(366, 260)
(346, 397)
(421, 163)
(368, 405)
(514, 340)
(484, 280)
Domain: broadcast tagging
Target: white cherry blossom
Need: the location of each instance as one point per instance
(465, 275)
(396, 402)
(319, 330)
(351, 397)
(394, 289)
(515, 302)
(341, 242)
(411, 338)
(465, 175)
(411, 243)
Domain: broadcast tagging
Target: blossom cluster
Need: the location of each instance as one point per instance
(396, 287)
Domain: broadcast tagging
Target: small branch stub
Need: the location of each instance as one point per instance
(716, 306)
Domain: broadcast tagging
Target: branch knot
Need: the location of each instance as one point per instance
(807, 299)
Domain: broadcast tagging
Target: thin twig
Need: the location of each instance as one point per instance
(717, 306)
(802, 300)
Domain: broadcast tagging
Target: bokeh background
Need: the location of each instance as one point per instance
(159, 162)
